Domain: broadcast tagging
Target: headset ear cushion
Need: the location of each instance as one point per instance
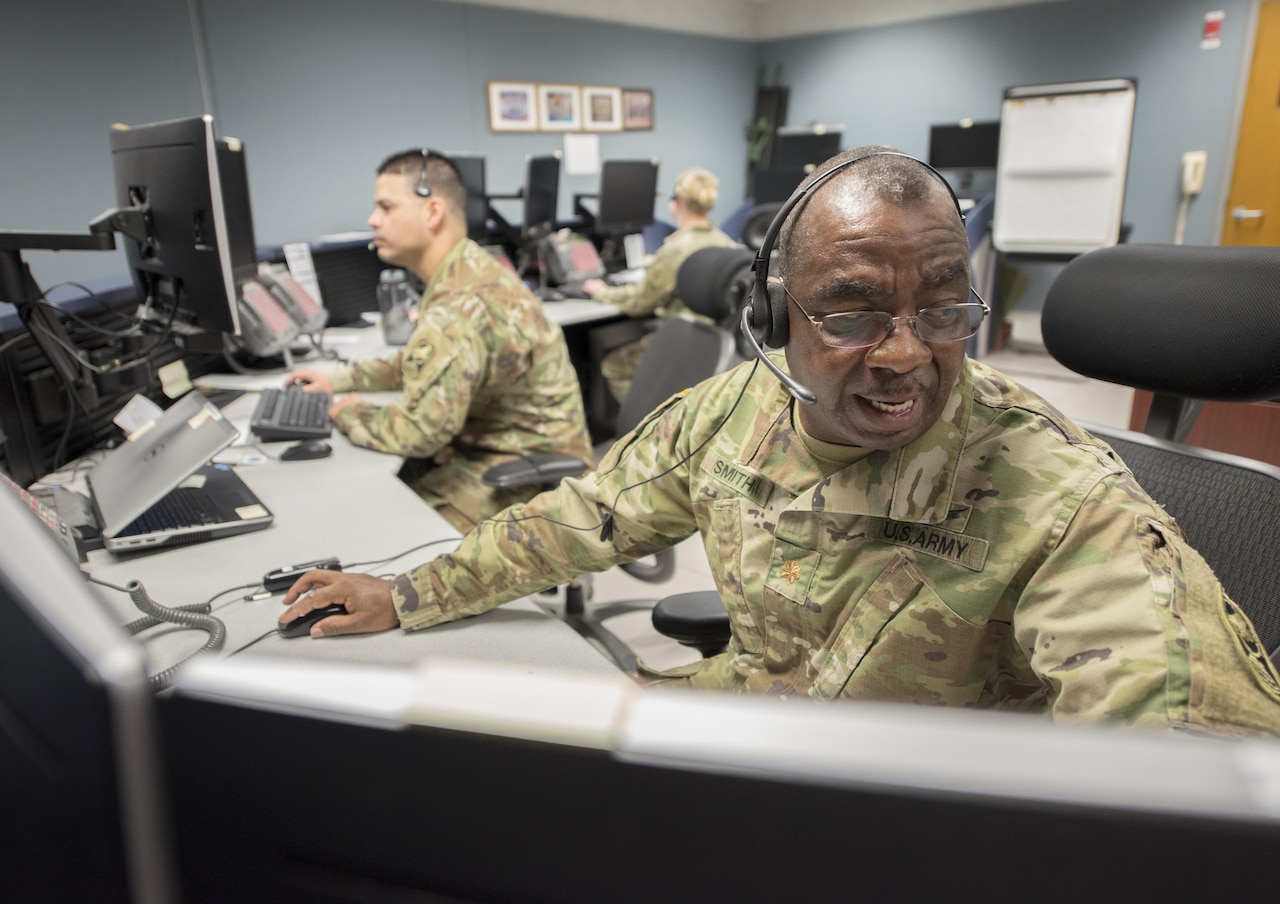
(779, 316)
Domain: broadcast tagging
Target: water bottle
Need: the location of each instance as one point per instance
(398, 306)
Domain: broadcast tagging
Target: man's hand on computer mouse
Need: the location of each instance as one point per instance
(367, 598)
(310, 380)
(594, 286)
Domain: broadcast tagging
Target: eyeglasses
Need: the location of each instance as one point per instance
(866, 329)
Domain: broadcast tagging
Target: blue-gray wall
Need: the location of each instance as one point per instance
(321, 90)
(888, 84)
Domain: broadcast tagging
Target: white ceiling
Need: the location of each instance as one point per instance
(755, 20)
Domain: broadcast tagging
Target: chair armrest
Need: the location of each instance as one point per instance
(660, 569)
(696, 619)
(538, 469)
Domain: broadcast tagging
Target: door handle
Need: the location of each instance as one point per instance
(1243, 213)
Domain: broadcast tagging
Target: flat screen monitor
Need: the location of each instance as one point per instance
(585, 793)
(798, 150)
(964, 147)
(628, 189)
(541, 197)
(471, 170)
(192, 246)
(82, 816)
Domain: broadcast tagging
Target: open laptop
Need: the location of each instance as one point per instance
(159, 489)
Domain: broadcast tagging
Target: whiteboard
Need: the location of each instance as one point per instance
(1060, 177)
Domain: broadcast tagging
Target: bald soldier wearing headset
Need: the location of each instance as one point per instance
(885, 518)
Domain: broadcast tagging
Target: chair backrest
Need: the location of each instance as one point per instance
(1187, 323)
(715, 282)
(682, 353)
(1229, 508)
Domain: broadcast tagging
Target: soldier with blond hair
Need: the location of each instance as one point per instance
(485, 377)
(885, 518)
(654, 295)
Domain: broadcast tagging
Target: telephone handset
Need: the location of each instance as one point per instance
(305, 310)
(266, 327)
(274, 310)
(570, 258)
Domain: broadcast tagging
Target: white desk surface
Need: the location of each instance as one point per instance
(350, 506)
(578, 310)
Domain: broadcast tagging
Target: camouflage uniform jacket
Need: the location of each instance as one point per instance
(655, 294)
(484, 377)
(1005, 559)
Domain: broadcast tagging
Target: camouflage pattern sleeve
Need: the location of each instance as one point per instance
(441, 366)
(1125, 622)
(654, 291)
(374, 375)
(558, 535)
(655, 294)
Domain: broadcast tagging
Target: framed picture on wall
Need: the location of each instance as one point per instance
(513, 107)
(601, 109)
(637, 109)
(558, 108)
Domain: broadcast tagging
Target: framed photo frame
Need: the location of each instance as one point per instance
(601, 109)
(559, 108)
(513, 107)
(637, 109)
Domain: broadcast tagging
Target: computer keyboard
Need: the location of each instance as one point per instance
(561, 293)
(284, 414)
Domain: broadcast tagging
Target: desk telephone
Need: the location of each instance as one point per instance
(570, 258)
(275, 309)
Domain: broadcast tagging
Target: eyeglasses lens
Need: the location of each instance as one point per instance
(863, 329)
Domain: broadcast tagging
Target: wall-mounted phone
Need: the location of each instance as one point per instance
(274, 310)
(570, 258)
(1193, 165)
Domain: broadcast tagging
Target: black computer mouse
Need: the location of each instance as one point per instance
(301, 626)
(307, 450)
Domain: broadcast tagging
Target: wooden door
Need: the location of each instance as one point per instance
(1253, 204)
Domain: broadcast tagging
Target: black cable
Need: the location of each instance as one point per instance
(605, 524)
(241, 649)
(400, 555)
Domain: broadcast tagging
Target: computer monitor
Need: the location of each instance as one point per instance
(541, 197)
(83, 816)
(975, 146)
(471, 170)
(628, 189)
(587, 793)
(183, 206)
(805, 148)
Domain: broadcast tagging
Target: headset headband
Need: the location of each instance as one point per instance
(761, 265)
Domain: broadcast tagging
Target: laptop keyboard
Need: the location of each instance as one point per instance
(173, 511)
(285, 414)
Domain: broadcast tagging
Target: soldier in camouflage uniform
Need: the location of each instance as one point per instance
(655, 295)
(928, 531)
(485, 377)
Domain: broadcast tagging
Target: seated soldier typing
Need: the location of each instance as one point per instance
(485, 377)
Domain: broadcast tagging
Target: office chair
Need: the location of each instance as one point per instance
(682, 353)
(1189, 324)
(712, 282)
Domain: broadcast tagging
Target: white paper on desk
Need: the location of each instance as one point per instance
(581, 154)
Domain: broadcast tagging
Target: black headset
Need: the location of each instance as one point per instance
(423, 188)
(766, 319)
